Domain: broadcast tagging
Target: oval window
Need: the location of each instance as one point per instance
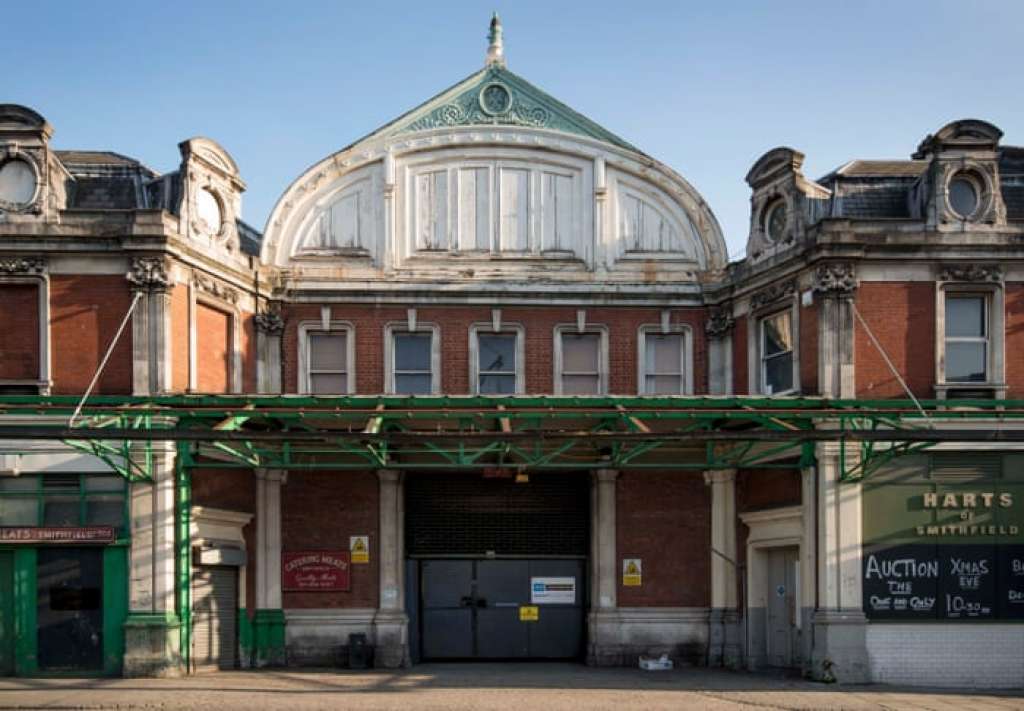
(208, 210)
(775, 221)
(17, 182)
(963, 196)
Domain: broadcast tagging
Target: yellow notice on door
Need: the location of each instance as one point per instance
(359, 548)
(529, 613)
(632, 572)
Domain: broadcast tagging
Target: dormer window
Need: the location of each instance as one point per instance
(964, 195)
(775, 220)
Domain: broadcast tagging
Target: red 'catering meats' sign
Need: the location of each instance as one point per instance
(322, 571)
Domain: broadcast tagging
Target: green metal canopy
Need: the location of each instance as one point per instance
(501, 435)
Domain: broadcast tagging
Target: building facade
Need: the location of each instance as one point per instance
(486, 386)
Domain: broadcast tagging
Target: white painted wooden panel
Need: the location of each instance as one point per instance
(515, 209)
(558, 209)
(474, 209)
(432, 210)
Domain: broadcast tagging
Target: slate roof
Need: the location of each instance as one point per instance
(104, 193)
(249, 239)
(882, 168)
(95, 158)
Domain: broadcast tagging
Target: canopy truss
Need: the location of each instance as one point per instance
(503, 435)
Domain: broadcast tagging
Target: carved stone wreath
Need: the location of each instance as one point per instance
(495, 99)
(22, 265)
(972, 272)
(770, 295)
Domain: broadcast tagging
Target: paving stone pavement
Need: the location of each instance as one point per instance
(521, 687)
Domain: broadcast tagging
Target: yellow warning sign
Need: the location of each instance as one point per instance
(359, 548)
(632, 572)
(529, 613)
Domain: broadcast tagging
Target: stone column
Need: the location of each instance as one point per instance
(269, 327)
(807, 584)
(604, 647)
(268, 622)
(718, 328)
(152, 642)
(840, 648)
(725, 648)
(391, 624)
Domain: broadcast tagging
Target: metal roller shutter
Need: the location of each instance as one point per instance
(214, 618)
(466, 515)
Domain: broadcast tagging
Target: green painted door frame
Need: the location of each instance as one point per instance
(18, 599)
(6, 613)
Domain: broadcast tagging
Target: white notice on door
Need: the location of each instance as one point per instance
(553, 591)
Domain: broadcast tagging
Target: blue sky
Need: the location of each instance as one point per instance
(704, 87)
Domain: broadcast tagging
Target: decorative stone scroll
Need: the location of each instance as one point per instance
(148, 274)
(11, 266)
(719, 323)
(214, 288)
(835, 279)
(972, 272)
(270, 322)
(770, 295)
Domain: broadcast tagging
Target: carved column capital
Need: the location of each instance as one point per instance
(719, 323)
(148, 274)
(269, 322)
(839, 279)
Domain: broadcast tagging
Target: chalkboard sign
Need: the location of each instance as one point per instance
(967, 581)
(901, 582)
(1011, 582)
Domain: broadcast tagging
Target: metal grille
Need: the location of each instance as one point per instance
(460, 514)
(973, 465)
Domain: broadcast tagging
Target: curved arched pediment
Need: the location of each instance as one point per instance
(464, 205)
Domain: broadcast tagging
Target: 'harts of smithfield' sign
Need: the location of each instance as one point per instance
(967, 504)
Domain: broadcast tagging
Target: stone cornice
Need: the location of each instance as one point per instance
(971, 273)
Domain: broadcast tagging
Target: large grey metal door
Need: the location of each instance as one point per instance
(214, 618)
(470, 609)
(69, 614)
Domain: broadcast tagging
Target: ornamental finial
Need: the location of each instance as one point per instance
(496, 48)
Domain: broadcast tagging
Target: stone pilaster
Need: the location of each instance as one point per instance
(268, 623)
(391, 624)
(603, 647)
(152, 642)
(839, 649)
(269, 327)
(725, 648)
(719, 328)
(835, 285)
(151, 343)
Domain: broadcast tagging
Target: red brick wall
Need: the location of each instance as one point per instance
(85, 312)
(539, 322)
(19, 331)
(758, 489)
(740, 385)
(1014, 339)
(213, 350)
(902, 317)
(179, 338)
(233, 490)
(319, 511)
(809, 349)
(663, 518)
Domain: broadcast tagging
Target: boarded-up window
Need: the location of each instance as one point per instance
(556, 211)
(663, 364)
(474, 209)
(432, 210)
(581, 363)
(213, 350)
(19, 332)
(515, 210)
(328, 363)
